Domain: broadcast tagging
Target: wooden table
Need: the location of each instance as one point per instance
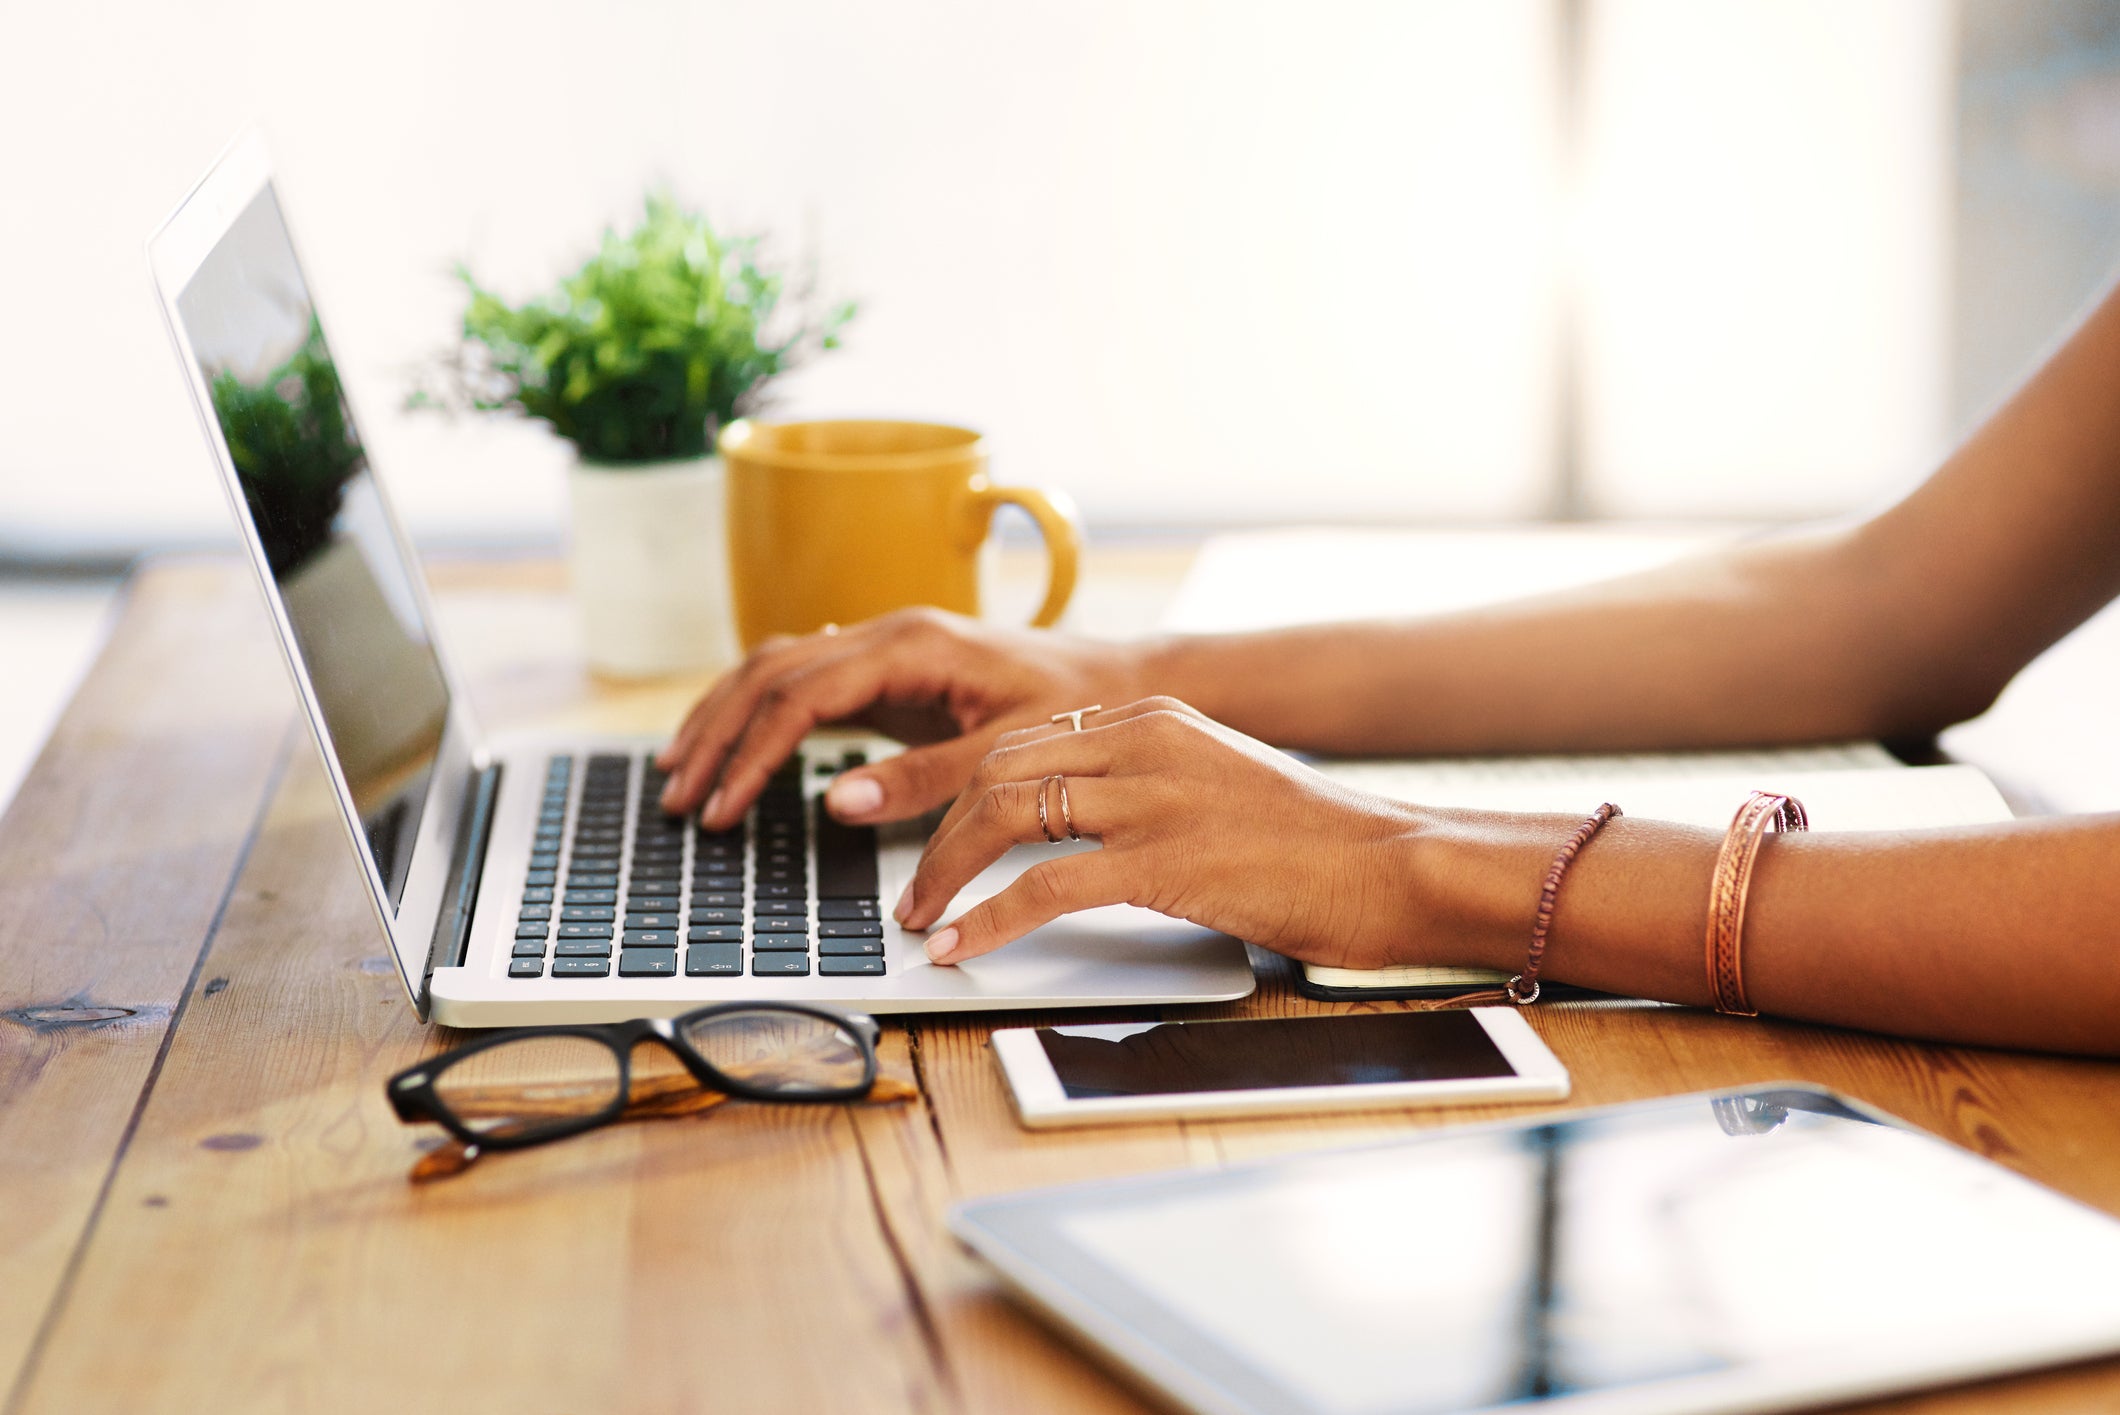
(203, 1201)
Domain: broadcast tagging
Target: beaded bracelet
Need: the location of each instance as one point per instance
(1523, 988)
(1729, 887)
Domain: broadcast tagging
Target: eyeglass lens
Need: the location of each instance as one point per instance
(789, 1052)
(530, 1084)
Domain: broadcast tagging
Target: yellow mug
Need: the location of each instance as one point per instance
(831, 522)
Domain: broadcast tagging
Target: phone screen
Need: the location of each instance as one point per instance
(1165, 1058)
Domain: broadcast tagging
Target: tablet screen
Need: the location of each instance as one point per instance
(1167, 1058)
(1771, 1237)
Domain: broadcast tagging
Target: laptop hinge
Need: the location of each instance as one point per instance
(452, 931)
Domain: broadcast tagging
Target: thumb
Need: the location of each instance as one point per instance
(909, 784)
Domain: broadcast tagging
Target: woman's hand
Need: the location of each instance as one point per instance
(1198, 822)
(946, 684)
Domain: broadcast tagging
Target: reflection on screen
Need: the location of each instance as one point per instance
(341, 578)
(1534, 1263)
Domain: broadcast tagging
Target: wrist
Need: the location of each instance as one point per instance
(1474, 880)
(1178, 666)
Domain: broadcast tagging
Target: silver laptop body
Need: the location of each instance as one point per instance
(466, 843)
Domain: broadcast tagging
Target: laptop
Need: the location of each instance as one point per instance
(533, 879)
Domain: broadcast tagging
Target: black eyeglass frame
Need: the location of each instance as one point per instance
(412, 1091)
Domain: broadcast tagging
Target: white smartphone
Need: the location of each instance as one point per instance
(1121, 1071)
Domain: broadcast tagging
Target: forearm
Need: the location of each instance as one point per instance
(1773, 642)
(2000, 935)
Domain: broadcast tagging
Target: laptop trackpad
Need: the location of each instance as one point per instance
(1118, 937)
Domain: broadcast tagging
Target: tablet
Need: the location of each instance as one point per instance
(1747, 1250)
(1113, 1072)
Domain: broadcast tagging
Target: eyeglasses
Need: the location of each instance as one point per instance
(534, 1085)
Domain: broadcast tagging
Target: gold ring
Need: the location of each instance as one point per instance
(1043, 827)
(1077, 715)
(829, 630)
(1067, 817)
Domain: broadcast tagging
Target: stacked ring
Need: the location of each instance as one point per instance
(1067, 815)
(1077, 715)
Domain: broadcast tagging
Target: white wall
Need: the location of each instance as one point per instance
(1200, 262)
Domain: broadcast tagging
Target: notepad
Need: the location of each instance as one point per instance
(1859, 786)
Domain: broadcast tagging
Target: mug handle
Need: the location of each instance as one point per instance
(1061, 527)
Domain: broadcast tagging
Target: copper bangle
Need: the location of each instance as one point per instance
(1732, 883)
(1523, 988)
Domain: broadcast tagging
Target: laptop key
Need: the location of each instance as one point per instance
(796, 907)
(779, 943)
(651, 903)
(831, 967)
(715, 933)
(717, 916)
(647, 963)
(713, 960)
(849, 928)
(649, 938)
(581, 967)
(537, 894)
(782, 891)
(717, 899)
(846, 860)
(837, 909)
(532, 928)
(587, 914)
(663, 919)
(535, 913)
(582, 948)
(850, 947)
(588, 879)
(780, 965)
(588, 896)
(526, 967)
(584, 930)
(541, 877)
(529, 948)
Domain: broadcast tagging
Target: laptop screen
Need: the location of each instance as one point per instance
(336, 564)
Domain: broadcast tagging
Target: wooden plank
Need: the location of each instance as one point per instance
(262, 1249)
(113, 862)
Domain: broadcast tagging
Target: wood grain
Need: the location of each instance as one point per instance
(113, 863)
(263, 1230)
(259, 1247)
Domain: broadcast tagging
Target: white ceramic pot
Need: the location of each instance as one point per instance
(650, 564)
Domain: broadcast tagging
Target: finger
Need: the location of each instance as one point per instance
(1040, 895)
(791, 705)
(1006, 815)
(1102, 717)
(909, 784)
(1029, 755)
(694, 757)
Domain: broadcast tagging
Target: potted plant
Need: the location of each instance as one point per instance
(638, 358)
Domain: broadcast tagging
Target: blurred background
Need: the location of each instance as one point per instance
(1203, 264)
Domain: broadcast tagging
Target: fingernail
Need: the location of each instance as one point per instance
(942, 945)
(669, 796)
(854, 796)
(711, 812)
(904, 907)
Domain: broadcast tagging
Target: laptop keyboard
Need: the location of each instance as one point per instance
(616, 884)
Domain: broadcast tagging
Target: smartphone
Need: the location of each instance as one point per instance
(1121, 1071)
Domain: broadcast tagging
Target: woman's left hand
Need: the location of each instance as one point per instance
(1197, 821)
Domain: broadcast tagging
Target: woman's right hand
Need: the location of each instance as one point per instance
(945, 685)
